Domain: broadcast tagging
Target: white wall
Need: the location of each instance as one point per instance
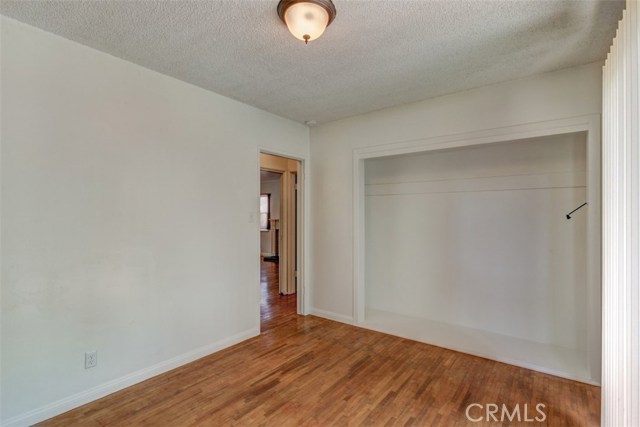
(129, 220)
(477, 237)
(566, 93)
(273, 188)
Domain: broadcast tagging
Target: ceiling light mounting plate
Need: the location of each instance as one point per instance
(326, 4)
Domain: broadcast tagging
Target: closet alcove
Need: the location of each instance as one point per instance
(469, 248)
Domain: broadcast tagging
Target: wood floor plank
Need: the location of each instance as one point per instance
(308, 371)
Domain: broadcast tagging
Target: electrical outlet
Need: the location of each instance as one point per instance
(90, 359)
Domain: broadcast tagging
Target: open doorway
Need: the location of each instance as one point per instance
(279, 219)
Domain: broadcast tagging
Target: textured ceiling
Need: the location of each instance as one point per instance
(376, 54)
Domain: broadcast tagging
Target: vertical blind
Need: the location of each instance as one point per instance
(621, 226)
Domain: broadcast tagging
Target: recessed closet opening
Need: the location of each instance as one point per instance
(470, 248)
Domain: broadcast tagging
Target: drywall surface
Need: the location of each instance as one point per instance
(272, 188)
(129, 218)
(566, 93)
(478, 237)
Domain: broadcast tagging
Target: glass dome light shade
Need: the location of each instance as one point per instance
(306, 19)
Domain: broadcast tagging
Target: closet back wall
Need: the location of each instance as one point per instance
(478, 237)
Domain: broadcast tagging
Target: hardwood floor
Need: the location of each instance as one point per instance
(275, 309)
(308, 371)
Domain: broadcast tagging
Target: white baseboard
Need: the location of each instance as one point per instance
(71, 402)
(332, 316)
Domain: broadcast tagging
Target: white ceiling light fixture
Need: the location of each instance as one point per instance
(306, 19)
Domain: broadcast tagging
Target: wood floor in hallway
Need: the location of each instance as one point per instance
(275, 309)
(308, 371)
